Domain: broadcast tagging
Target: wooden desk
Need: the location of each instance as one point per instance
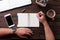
(34, 8)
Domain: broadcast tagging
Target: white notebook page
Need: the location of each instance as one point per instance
(22, 20)
(34, 22)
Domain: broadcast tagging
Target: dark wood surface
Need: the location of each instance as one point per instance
(34, 8)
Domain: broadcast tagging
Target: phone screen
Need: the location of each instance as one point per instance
(9, 20)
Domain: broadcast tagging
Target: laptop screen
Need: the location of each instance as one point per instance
(10, 4)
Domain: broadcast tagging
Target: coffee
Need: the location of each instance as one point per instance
(51, 13)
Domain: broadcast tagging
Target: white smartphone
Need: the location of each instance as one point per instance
(9, 20)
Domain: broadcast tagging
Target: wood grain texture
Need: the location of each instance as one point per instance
(34, 8)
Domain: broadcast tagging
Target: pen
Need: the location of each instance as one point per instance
(23, 10)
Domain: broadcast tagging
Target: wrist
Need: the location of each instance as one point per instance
(45, 23)
(16, 31)
(13, 29)
(10, 31)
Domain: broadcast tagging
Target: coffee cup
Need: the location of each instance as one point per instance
(42, 3)
(51, 13)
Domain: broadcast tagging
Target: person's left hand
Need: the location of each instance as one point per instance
(23, 31)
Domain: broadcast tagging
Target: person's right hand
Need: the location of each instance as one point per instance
(23, 31)
(41, 17)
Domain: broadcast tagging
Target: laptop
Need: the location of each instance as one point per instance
(10, 4)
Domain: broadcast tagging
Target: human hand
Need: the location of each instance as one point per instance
(23, 31)
(41, 17)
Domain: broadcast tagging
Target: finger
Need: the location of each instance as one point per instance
(38, 15)
(41, 13)
(28, 35)
(23, 36)
(29, 31)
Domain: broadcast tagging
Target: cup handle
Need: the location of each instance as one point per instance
(53, 18)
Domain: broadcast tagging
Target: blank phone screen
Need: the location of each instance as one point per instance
(9, 20)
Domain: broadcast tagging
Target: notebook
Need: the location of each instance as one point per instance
(10, 4)
(27, 20)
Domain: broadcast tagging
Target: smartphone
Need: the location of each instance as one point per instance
(9, 20)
